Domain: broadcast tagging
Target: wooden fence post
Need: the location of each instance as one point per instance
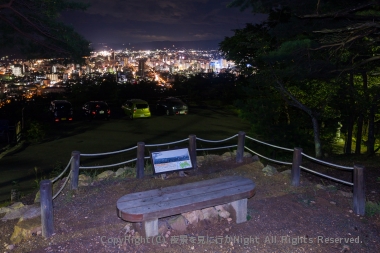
(240, 147)
(359, 190)
(75, 169)
(46, 200)
(296, 170)
(193, 150)
(140, 160)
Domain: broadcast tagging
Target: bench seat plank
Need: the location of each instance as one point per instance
(154, 204)
(181, 191)
(170, 189)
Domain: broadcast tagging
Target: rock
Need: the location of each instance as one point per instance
(255, 158)
(321, 187)
(25, 229)
(286, 172)
(15, 213)
(33, 211)
(200, 160)
(222, 212)
(210, 214)
(231, 155)
(120, 172)
(194, 216)
(105, 174)
(269, 170)
(331, 188)
(37, 198)
(5, 209)
(17, 205)
(345, 194)
(178, 223)
(332, 202)
(84, 180)
(228, 156)
(162, 227)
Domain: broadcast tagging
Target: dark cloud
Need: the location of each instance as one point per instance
(121, 21)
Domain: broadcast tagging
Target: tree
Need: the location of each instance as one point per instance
(303, 50)
(33, 27)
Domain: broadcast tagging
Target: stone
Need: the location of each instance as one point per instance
(222, 212)
(269, 170)
(194, 216)
(84, 180)
(5, 209)
(120, 172)
(37, 198)
(105, 174)
(33, 211)
(25, 229)
(331, 188)
(210, 214)
(255, 158)
(178, 223)
(321, 187)
(162, 227)
(17, 205)
(286, 172)
(345, 194)
(15, 213)
(232, 154)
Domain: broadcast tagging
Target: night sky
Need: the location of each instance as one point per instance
(119, 22)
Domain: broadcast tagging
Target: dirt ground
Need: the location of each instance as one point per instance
(282, 218)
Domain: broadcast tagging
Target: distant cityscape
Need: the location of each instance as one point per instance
(23, 79)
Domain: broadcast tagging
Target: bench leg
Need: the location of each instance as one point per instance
(240, 210)
(150, 228)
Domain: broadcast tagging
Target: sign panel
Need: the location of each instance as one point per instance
(171, 160)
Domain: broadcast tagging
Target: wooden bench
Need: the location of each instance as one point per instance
(148, 206)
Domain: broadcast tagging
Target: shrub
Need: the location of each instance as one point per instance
(36, 132)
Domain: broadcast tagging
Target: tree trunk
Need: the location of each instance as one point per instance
(359, 134)
(348, 145)
(317, 140)
(371, 130)
(350, 121)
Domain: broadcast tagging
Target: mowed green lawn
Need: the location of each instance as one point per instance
(19, 169)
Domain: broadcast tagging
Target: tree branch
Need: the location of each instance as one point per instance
(338, 14)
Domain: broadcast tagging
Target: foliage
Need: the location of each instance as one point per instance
(36, 132)
(33, 27)
(372, 208)
(311, 57)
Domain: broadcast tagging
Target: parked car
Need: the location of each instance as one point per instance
(96, 110)
(61, 110)
(172, 106)
(136, 108)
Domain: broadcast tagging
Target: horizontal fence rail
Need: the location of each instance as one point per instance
(270, 145)
(267, 158)
(107, 166)
(328, 164)
(326, 176)
(166, 144)
(226, 147)
(74, 164)
(217, 140)
(110, 153)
